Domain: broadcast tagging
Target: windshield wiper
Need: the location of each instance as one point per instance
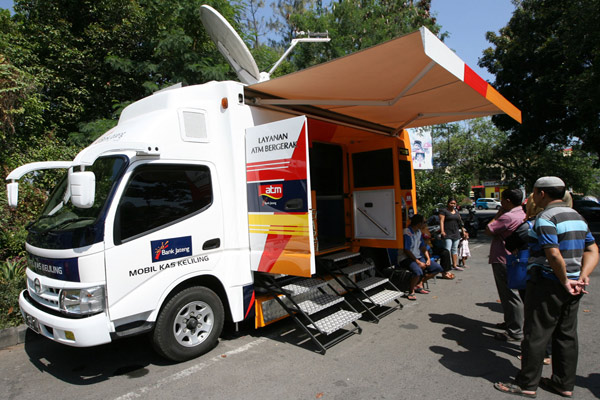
(73, 220)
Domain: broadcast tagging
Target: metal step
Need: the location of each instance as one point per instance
(356, 269)
(304, 285)
(335, 257)
(370, 283)
(383, 297)
(335, 321)
(318, 303)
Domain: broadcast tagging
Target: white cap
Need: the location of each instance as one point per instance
(549, 181)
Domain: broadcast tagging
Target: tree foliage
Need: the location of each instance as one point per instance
(468, 153)
(92, 56)
(352, 25)
(547, 62)
(463, 154)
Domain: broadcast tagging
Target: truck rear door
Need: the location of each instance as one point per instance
(279, 202)
(376, 202)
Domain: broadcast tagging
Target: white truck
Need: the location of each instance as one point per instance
(203, 198)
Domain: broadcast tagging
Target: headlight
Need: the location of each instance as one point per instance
(82, 301)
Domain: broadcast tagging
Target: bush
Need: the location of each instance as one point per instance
(12, 281)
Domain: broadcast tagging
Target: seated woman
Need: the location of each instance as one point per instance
(415, 257)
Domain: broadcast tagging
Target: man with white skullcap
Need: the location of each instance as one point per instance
(563, 255)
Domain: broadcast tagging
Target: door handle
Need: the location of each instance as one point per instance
(211, 244)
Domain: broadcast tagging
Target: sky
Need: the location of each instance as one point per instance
(467, 21)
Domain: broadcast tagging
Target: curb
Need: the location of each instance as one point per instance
(12, 336)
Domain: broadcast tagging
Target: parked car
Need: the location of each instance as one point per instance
(590, 210)
(486, 203)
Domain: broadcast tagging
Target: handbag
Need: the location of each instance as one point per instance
(516, 269)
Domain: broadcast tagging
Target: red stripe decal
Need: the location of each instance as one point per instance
(274, 246)
(250, 306)
(475, 81)
(283, 169)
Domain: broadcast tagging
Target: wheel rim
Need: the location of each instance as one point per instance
(193, 324)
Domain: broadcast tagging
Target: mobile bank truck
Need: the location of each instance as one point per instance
(257, 199)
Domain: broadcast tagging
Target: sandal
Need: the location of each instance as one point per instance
(549, 385)
(421, 291)
(511, 388)
(411, 297)
(547, 360)
(447, 275)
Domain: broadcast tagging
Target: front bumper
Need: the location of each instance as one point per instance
(77, 332)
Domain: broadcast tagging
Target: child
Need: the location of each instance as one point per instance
(463, 252)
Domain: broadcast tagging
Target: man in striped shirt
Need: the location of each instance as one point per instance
(562, 258)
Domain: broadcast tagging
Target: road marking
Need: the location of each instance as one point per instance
(189, 371)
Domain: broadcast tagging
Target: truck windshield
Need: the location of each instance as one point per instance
(59, 214)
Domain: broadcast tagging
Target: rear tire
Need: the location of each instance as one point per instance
(189, 324)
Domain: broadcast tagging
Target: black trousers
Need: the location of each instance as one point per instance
(445, 260)
(550, 314)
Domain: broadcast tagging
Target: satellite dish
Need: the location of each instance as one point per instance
(230, 44)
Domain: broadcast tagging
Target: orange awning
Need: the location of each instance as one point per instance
(414, 80)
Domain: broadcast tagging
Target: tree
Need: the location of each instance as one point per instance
(253, 22)
(462, 154)
(467, 153)
(524, 164)
(547, 62)
(352, 25)
(94, 56)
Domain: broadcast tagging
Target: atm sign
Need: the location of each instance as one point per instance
(273, 191)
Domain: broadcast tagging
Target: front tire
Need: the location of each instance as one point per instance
(479, 207)
(189, 324)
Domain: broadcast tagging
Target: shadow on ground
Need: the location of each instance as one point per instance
(129, 357)
(479, 357)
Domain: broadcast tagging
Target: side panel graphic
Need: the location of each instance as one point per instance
(279, 205)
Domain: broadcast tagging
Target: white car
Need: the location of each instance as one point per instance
(487, 203)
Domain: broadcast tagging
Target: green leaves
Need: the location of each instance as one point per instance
(547, 61)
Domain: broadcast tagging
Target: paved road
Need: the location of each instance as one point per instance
(439, 347)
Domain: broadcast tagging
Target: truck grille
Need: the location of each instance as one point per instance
(46, 295)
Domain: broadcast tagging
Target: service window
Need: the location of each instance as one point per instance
(404, 167)
(373, 168)
(160, 194)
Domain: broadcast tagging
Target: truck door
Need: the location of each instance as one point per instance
(376, 201)
(279, 202)
(167, 224)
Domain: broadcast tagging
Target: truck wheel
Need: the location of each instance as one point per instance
(189, 324)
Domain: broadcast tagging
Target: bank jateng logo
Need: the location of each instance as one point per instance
(273, 191)
(167, 249)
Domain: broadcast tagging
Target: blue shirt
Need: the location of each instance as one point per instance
(562, 228)
(413, 241)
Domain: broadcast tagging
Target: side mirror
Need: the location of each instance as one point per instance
(12, 191)
(83, 188)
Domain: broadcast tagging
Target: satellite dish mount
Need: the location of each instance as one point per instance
(235, 51)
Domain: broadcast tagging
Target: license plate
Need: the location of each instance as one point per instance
(32, 323)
